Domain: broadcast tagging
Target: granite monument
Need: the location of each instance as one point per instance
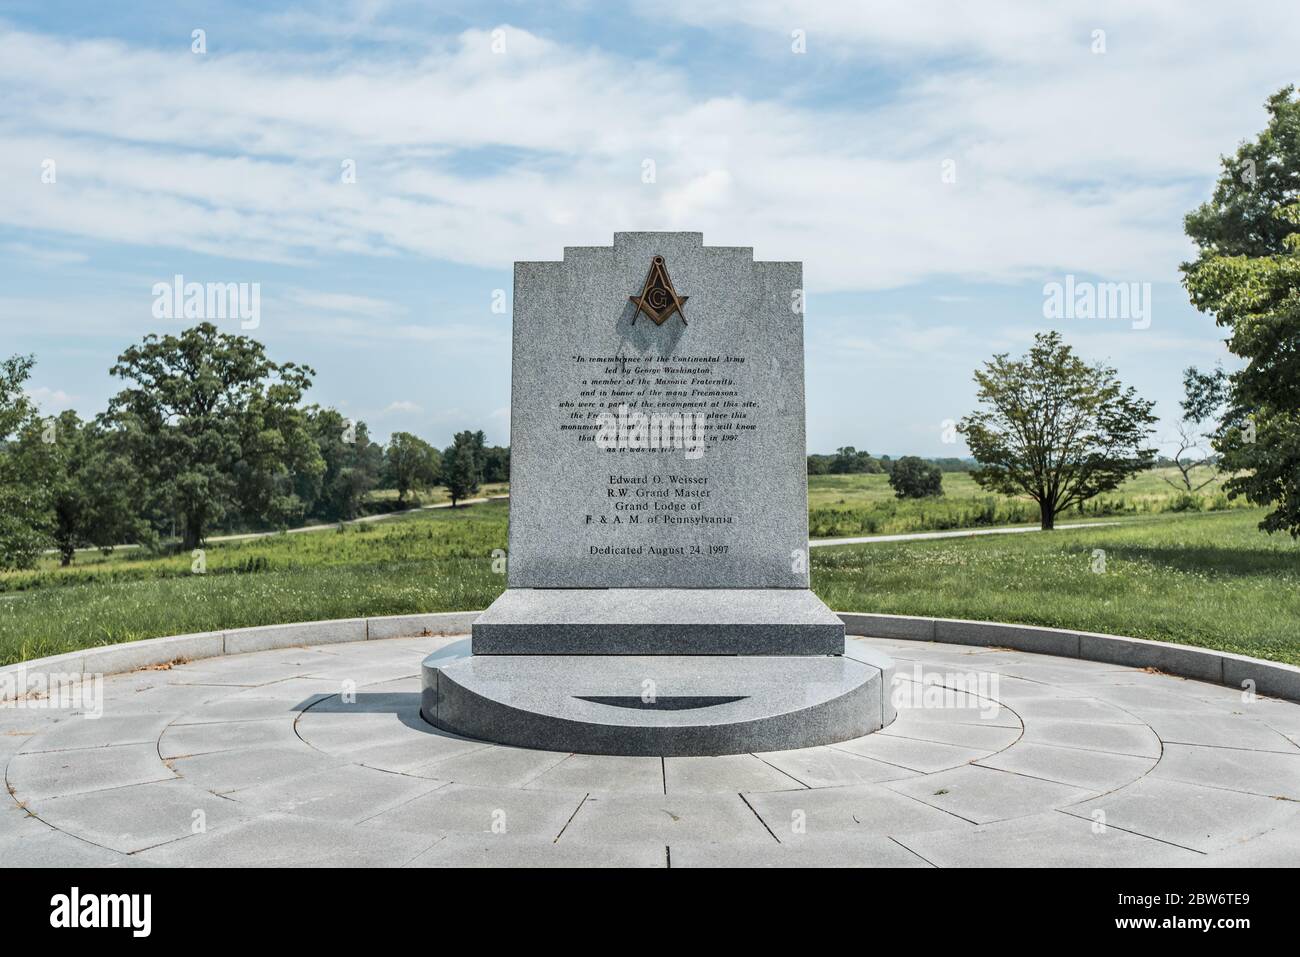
(658, 595)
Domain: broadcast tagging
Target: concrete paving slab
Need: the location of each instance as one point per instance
(130, 819)
(241, 707)
(1079, 710)
(363, 674)
(978, 715)
(284, 840)
(915, 755)
(224, 771)
(1279, 847)
(347, 793)
(983, 795)
(853, 812)
(986, 738)
(42, 846)
(596, 773)
(610, 819)
(1012, 689)
(731, 772)
(1189, 815)
(100, 732)
(1142, 701)
(1045, 840)
(363, 734)
(367, 700)
(1093, 770)
(1282, 716)
(1221, 730)
(505, 813)
(54, 773)
(405, 757)
(832, 767)
(250, 671)
(459, 850)
(833, 852)
(1260, 772)
(1135, 739)
(187, 740)
(492, 767)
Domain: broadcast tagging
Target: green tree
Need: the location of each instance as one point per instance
(410, 463)
(86, 485)
(496, 463)
(1247, 276)
(847, 461)
(1055, 428)
(462, 466)
(353, 465)
(214, 429)
(24, 505)
(913, 477)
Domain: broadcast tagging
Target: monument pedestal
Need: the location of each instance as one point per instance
(670, 705)
(658, 621)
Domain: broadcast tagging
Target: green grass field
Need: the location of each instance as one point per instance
(848, 505)
(1212, 580)
(1207, 578)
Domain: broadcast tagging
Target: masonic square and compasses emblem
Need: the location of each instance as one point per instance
(658, 298)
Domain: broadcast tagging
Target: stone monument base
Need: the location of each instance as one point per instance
(670, 705)
(658, 621)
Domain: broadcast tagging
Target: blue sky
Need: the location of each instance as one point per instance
(484, 133)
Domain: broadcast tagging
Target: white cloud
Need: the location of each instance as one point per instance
(345, 302)
(1065, 160)
(50, 401)
(43, 256)
(402, 406)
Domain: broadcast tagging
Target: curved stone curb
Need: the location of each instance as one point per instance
(1203, 664)
(154, 652)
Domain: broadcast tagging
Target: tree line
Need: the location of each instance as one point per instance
(207, 433)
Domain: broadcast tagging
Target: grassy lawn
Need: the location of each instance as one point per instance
(1212, 580)
(848, 505)
(436, 560)
(1201, 578)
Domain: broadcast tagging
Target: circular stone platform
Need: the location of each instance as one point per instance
(318, 756)
(658, 705)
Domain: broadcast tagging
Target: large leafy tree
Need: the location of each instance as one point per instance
(496, 463)
(1247, 275)
(913, 477)
(353, 464)
(86, 483)
(1055, 428)
(410, 463)
(24, 504)
(214, 429)
(462, 465)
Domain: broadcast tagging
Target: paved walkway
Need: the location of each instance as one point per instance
(956, 533)
(268, 759)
